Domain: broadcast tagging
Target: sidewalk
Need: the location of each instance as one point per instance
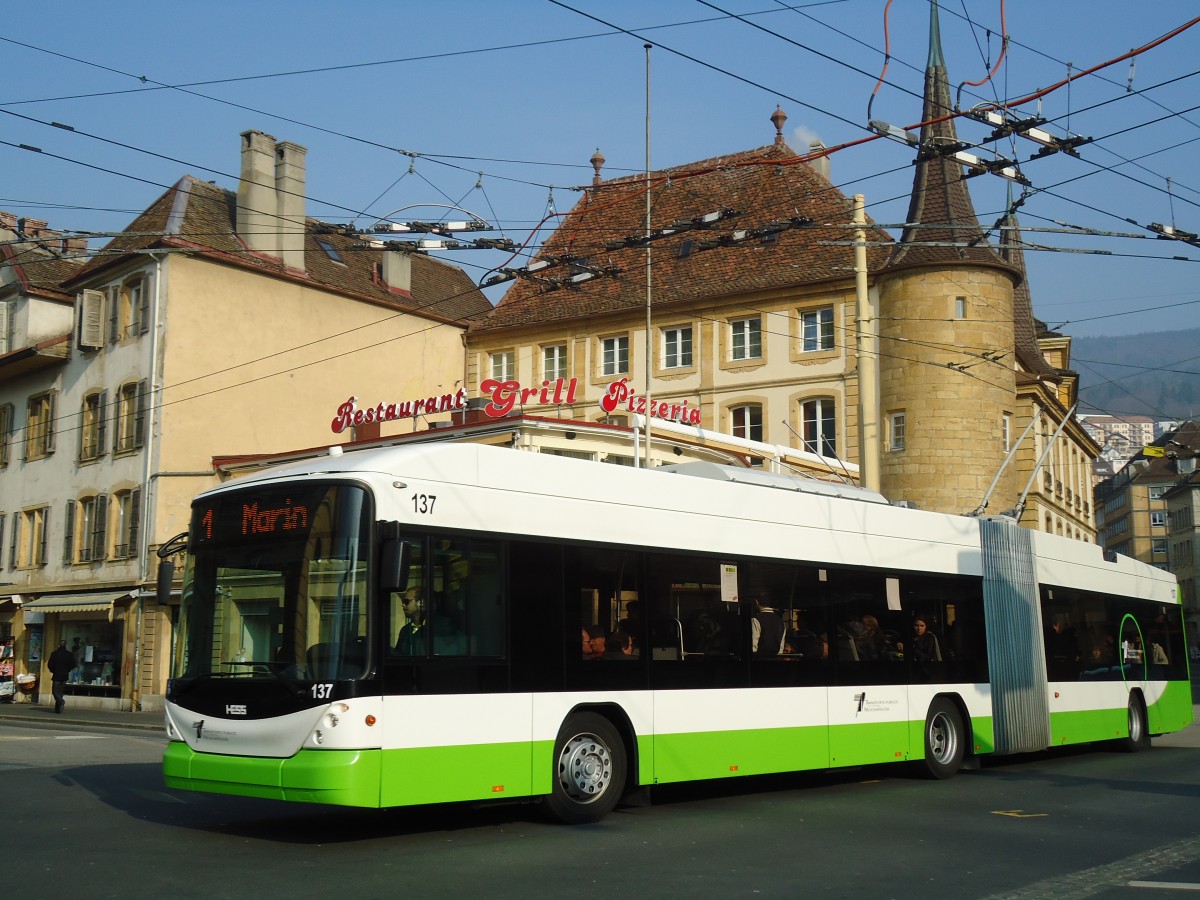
(33, 714)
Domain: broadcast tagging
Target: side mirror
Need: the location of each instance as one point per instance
(166, 576)
(393, 565)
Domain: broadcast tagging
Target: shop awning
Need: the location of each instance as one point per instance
(67, 603)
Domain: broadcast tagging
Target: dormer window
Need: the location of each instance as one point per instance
(330, 251)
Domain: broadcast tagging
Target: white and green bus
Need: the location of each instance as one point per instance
(453, 622)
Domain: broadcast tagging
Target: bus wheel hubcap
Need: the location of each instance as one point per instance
(584, 767)
(942, 740)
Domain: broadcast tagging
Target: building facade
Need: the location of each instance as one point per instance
(736, 309)
(218, 322)
(1149, 511)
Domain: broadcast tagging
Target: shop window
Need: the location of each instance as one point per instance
(96, 647)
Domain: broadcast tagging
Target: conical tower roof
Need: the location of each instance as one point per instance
(1024, 325)
(940, 210)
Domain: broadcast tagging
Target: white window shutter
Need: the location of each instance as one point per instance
(91, 320)
(5, 326)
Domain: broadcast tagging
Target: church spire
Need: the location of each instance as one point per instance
(940, 210)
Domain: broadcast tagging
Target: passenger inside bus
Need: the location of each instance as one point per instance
(766, 629)
(618, 645)
(923, 647)
(596, 645)
(411, 640)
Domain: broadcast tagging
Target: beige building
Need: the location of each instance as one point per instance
(1149, 511)
(218, 322)
(737, 310)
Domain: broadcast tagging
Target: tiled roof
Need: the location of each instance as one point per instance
(764, 185)
(200, 215)
(39, 271)
(1024, 324)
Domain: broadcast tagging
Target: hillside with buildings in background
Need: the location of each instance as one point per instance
(1155, 374)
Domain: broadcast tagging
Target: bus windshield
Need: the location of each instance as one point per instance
(276, 584)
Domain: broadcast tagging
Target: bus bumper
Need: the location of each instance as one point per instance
(337, 777)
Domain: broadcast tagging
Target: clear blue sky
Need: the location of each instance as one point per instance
(526, 91)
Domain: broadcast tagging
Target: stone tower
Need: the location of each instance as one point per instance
(947, 382)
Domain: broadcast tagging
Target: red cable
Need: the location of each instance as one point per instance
(1003, 48)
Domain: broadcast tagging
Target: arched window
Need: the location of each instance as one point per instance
(746, 421)
(819, 426)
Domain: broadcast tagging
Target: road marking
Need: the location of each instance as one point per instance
(78, 737)
(1018, 814)
(1166, 885)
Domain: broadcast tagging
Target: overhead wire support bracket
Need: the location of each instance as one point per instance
(1029, 129)
(1171, 233)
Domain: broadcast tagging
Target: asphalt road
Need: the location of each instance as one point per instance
(87, 817)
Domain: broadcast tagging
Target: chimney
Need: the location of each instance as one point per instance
(8, 220)
(257, 208)
(289, 191)
(397, 271)
(820, 165)
(32, 228)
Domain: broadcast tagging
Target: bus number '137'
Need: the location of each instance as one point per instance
(423, 503)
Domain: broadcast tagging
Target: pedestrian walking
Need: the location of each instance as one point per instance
(61, 662)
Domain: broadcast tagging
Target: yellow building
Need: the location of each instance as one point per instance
(217, 323)
(734, 309)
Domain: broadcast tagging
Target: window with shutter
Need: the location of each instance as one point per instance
(139, 435)
(99, 533)
(6, 310)
(69, 534)
(114, 314)
(91, 320)
(6, 430)
(144, 308)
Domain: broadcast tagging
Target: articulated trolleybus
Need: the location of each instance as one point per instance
(442, 622)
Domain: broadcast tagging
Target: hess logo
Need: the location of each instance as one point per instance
(235, 709)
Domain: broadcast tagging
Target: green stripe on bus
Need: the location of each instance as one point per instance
(1082, 726)
(1173, 710)
(464, 772)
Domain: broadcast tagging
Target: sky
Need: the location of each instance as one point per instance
(410, 108)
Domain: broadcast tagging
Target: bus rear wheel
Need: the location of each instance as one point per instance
(1139, 733)
(589, 770)
(945, 739)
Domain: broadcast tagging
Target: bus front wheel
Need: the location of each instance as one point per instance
(945, 739)
(589, 770)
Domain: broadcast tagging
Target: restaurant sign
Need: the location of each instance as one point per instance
(505, 396)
